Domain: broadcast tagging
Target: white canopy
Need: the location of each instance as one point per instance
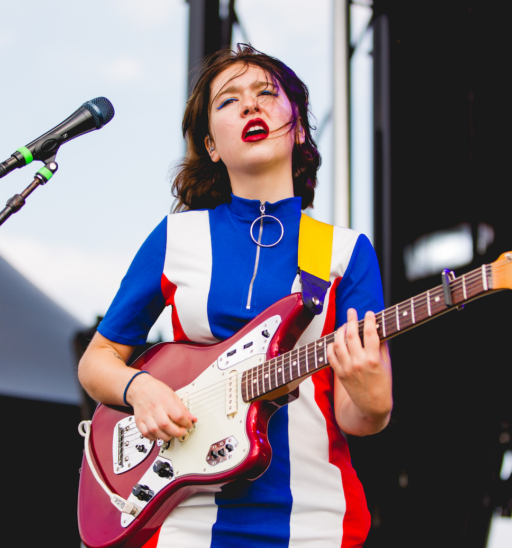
(36, 335)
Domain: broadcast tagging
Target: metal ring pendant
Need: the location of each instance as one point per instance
(271, 217)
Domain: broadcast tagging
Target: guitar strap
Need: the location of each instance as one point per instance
(315, 252)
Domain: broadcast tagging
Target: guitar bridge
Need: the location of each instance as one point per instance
(129, 446)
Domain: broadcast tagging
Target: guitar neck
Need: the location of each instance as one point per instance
(294, 366)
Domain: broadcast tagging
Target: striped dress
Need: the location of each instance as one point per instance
(206, 266)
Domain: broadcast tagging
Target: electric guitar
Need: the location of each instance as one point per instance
(129, 484)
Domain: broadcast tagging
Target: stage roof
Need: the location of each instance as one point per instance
(36, 353)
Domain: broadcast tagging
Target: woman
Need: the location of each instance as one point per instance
(250, 151)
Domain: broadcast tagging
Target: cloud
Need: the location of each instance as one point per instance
(124, 70)
(149, 14)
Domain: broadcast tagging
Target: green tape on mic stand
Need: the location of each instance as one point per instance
(25, 152)
(45, 173)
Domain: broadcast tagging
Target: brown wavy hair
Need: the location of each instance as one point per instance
(200, 183)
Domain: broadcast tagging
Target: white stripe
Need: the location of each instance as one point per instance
(188, 265)
(190, 524)
(319, 503)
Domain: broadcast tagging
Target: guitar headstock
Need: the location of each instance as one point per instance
(502, 271)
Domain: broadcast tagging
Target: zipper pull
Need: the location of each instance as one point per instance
(262, 208)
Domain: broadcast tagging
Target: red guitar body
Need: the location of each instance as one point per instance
(179, 365)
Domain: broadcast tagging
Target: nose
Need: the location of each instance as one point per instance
(251, 106)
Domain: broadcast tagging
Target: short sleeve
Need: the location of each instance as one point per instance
(361, 286)
(139, 301)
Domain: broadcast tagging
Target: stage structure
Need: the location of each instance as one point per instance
(438, 147)
(40, 402)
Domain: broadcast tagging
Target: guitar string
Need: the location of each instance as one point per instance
(391, 312)
(471, 279)
(271, 365)
(269, 380)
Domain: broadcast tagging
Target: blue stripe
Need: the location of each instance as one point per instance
(360, 287)
(259, 512)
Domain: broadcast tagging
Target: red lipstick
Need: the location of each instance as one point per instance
(255, 130)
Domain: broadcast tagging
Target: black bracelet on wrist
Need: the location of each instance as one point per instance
(128, 386)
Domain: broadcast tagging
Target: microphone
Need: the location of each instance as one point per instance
(90, 116)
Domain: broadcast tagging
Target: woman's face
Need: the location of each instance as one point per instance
(251, 121)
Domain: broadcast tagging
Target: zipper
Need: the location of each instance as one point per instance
(256, 262)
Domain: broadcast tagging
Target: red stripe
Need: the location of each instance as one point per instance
(356, 521)
(169, 291)
(330, 315)
(153, 541)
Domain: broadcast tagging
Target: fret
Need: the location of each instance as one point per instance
(260, 379)
(397, 314)
(438, 304)
(290, 365)
(246, 395)
(281, 368)
(405, 315)
(321, 344)
(464, 292)
(252, 382)
(275, 373)
(412, 311)
(383, 321)
(307, 357)
(301, 358)
(421, 303)
(484, 278)
(321, 357)
(428, 303)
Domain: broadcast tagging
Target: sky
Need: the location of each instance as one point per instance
(77, 235)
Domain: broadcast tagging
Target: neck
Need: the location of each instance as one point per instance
(265, 186)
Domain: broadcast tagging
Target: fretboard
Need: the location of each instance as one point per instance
(306, 360)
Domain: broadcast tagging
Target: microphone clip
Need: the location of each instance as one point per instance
(18, 200)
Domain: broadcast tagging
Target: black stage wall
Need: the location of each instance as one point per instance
(442, 158)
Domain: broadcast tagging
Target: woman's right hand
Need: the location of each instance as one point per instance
(159, 412)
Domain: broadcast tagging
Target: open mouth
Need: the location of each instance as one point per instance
(255, 130)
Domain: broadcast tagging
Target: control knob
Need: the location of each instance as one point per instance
(163, 469)
(142, 492)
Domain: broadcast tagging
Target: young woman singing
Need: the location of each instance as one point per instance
(250, 150)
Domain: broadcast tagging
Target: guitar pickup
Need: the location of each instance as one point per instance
(232, 394)
(231, 353)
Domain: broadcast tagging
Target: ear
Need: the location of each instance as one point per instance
(300, 133)
(210, 147)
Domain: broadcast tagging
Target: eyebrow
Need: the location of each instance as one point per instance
(235, 88)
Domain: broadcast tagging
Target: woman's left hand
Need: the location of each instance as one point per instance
(363, 395)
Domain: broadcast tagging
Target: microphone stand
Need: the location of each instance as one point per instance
(18, 200)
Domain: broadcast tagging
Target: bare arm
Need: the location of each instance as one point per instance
(363, 386)
(159, 412)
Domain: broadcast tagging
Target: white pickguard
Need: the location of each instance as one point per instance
(206, 399)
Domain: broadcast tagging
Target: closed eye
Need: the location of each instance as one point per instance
(227, 102)
(268, 92)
